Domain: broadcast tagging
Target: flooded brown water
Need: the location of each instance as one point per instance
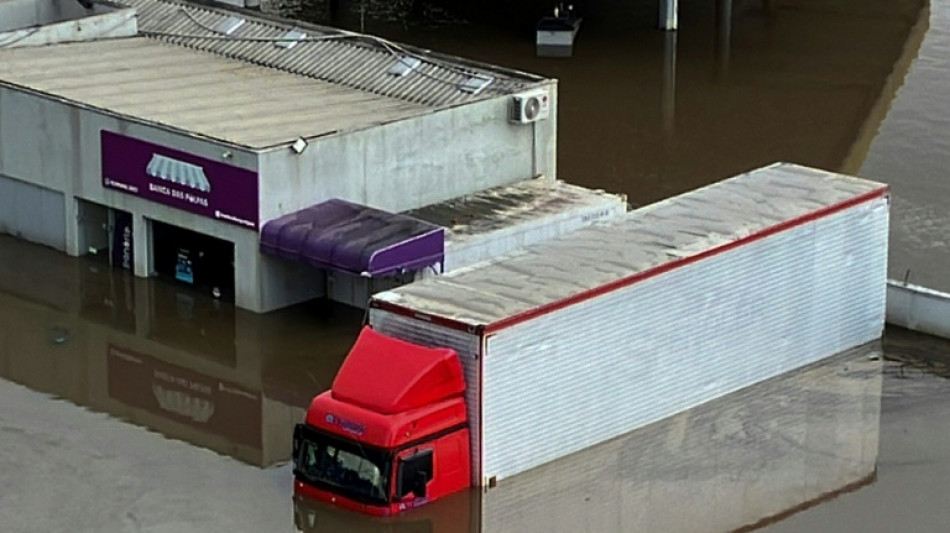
(800, 81)
(164, 356)
(169, 405)
(138, 405)
(912, 152)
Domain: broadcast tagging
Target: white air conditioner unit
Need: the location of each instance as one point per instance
(530, 107)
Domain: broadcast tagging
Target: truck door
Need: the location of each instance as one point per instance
(413, 473)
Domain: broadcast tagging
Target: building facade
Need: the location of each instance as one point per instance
(172, 149)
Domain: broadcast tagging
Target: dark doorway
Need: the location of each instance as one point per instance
(203, 262)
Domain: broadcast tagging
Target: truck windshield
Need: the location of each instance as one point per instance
(344, 466)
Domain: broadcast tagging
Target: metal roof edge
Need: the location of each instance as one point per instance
(363, 127)
(113, 4)
(129, 118)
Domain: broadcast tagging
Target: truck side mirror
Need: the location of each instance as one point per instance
(413, 474)
(298, 437)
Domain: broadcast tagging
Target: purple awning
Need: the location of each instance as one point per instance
(354, 238)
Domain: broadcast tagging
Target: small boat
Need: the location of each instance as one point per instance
(555, 34)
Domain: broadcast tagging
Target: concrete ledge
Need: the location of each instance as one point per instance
(44, 23)
(495, 222)
(918, 308)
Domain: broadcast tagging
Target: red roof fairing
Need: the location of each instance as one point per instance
(388, 375)
(391, 392)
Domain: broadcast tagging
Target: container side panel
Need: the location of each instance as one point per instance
(590, 372)
(739, 460)
(467, 345)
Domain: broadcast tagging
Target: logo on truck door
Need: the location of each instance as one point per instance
(346, 425)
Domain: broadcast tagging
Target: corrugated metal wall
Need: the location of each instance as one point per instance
(32, 213)
(728, 463)
(593, 371)
(467, 345)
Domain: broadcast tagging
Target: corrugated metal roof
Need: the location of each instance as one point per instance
(242, 87)
(336, 56)
(647, 238)
(197, 92)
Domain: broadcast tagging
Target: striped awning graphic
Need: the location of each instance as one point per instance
(178, 172)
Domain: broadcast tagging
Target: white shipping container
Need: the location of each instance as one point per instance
(582, 339)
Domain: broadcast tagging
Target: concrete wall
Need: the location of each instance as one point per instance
(118, 24)
(490, 246)
(284, 283)
(16, 14)
(414, 162)
(56, 146)
(32, 213)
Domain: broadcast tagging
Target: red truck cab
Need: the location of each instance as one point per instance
(391, 433)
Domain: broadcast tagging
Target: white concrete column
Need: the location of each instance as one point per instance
(668, 14)
(544, 140)
(141, 246)
(72, 225)
(247, 274)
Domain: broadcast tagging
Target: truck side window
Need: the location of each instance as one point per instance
(415, 472)
(298, 436)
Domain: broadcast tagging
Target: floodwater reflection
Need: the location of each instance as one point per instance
(163, 356)
(196, 370)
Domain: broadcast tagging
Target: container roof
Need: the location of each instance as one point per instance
(243, 87)
(387, 375)
(641, 243)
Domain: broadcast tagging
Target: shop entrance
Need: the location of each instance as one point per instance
(105, 233)
(93, 229)
(201, 261)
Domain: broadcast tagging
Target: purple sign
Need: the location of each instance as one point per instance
(179, 179)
